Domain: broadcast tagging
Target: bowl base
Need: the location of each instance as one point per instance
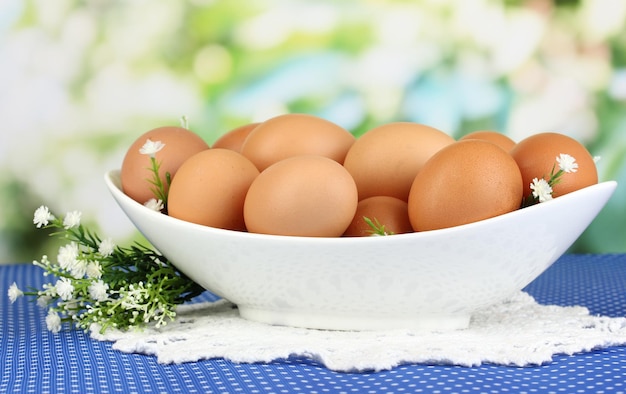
(322, 321)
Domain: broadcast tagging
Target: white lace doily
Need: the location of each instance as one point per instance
(517, 332)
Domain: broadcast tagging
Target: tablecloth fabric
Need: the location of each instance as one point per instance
(33, 360)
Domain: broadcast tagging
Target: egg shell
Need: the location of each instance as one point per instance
(308, 195)
(497, 138)
(389, 211)
(291, 135)
(210, 189)
(234, 138)
(386, 159)
(464, 182)
(536, 156)
(136, 174)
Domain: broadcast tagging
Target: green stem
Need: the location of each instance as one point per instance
(159, 190)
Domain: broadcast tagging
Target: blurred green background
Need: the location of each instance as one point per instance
(81, 80)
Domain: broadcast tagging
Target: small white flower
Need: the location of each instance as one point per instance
(44, 262)
(154, 204)
(596, 159)
(98, 290)
(72, 219)
(69, 307)
(48, 290)
(78, 269)
(567, 163)
(64, 289)
(541, 189)
(67, 255)
(150, 148)
(14, 292)
(42, 216)
(106, 247)
(43, 300)
(53, 321)
(133, 297)
(94, 270)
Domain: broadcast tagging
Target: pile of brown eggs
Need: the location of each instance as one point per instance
(302, 175)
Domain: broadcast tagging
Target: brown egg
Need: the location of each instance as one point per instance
(536, 157)
(308, 195)
(210, 188)
(499, 139)
(234, 139)
(293, 135)
(180, 144)
(385, 160)
(464, 182)
(389, 211)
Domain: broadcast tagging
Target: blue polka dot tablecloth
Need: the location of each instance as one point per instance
(32, 360)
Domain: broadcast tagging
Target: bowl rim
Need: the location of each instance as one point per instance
(113, 181)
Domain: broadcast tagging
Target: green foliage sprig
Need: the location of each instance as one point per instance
(377, 229)
(97, 282)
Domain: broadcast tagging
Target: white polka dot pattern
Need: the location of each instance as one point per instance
(35, 361)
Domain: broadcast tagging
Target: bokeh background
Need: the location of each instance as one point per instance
(81, 80)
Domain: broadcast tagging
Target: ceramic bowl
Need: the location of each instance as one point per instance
(431, 280)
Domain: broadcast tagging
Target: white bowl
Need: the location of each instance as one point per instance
(431, 280)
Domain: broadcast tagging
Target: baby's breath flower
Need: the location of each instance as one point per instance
(70, 307)
(64, 288)
(133, 297)
(67, 255)
(567, 163)
(106, 247)
(72, 220)
(42, 216)
(14, 292)
(98, 290)
(44, 262)
(154, 204)
(78, 269)
(49, 290)
(43, 300)
(53, 321)
(541, 189)
(150, 148)
(94, 270)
